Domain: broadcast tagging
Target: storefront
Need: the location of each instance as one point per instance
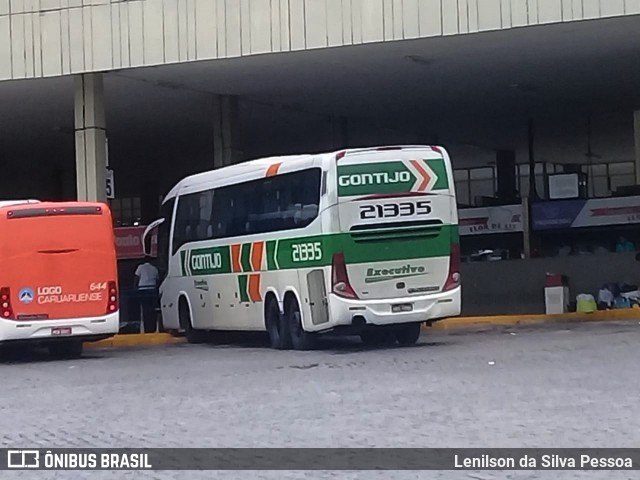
(591, 241)
(492, 233)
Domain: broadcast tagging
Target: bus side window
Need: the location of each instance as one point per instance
(239, 217)
(193, 218)
(183, 231)
(278, 203)
(203, 215)
(180, 227)
(222, 213)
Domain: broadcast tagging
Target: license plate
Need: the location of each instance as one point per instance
(402, 307)
(60, 331)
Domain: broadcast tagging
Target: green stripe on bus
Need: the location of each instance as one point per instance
(242, 286)
(303, 252)
(455, 234)
(245, 257)
(271, 251)
(436, 244)
(317, 251)
(390, 177)
(380, 177)
(183, 263)
(439, 168)
(206, 261)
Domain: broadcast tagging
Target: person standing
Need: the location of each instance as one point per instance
(147, 277)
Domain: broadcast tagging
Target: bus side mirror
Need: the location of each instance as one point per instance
(147, 236)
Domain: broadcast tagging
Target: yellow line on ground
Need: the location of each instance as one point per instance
(156, 339)
(505, 320)
(136, 340)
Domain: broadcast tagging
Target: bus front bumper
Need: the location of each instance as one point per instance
(90, 328)
(345, 312)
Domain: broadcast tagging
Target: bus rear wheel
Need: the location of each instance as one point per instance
(408, 334)
(277, 327)
(66, 349)
(192, 335)
(300, 339)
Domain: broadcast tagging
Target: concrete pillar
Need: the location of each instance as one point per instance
(506, 173)
(90, 133)
(636, 136)
(226, 131)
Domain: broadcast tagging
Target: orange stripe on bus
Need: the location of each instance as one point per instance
(256, 256)
(235, 258)
(426, 178)
(273, 169)
(254, 288)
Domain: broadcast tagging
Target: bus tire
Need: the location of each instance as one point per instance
(277, 327)
(408, 334)
(192, 335)
(300, 339)
(67, 349)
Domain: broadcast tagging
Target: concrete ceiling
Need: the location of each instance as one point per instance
(452, 83)
(580, 65)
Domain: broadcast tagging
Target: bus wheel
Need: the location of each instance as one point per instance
(378, 338)
(409, 333)
(191, 334)
(66, 349)
(300, 339)
(277, 327)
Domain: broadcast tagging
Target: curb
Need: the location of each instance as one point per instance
(526, 319)
(459, 323)
(136, 340)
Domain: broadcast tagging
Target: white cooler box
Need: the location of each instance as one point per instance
(556, 300)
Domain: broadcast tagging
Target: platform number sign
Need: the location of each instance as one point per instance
(111, 185)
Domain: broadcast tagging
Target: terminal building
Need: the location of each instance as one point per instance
(537, 101)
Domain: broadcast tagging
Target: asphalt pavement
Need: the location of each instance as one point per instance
(573, 385)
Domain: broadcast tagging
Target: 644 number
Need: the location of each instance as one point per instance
(97, 286)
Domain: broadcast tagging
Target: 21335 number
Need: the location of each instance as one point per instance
(392, 210)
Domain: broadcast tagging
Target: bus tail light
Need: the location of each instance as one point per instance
(5, 304)
(453, 280)
(112, 303)
(340, 284)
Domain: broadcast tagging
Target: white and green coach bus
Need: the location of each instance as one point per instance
(361, 241)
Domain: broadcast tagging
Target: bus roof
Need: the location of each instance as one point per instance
(248, 167)
(25, 204)
(237, 170)
(13, 203)
(49, 208)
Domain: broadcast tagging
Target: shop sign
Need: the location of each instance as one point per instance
(595, 212)
(481, 221)
(129, 242)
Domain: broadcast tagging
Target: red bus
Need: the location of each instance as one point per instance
(58, 274)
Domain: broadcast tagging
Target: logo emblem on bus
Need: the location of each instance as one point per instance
(26, 295)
